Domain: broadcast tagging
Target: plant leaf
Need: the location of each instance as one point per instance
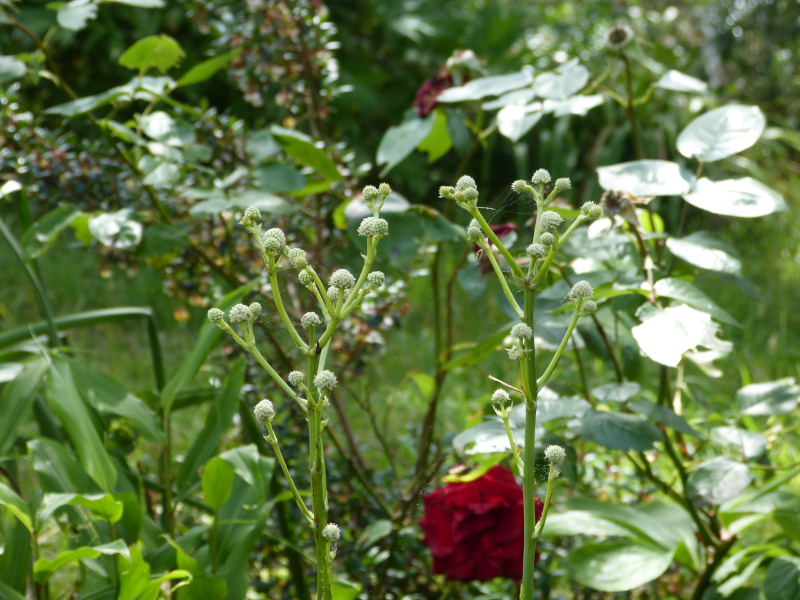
(772, 398)
(717, 480)
(301, 148)
(401, 140)
(722, 132)
(217, 480)
(678, 289)
(17, 398)
(159, 52)
(703, 250)
(743, 197)
(646, 178)
(486, 86)
(15, 505)
(680, 82)
(782, 579)
(43, 568)
(206, 69)
(750, 443)
(617, 431)
(662, 414)
(567, 80)
(617, 566)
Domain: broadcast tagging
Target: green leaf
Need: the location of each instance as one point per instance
(750, 443)
(400, 141)
(219, 418)
(617, 392)
(103, 506)
(74, 15)
(260, 145)
(217, 480)
(14, 561)
(345, 590)
(647, 178)
(278, 177)
(65, 402)
(717, 480)
(161, 239)
(438, 142)
(162, 127)
(703, 250)
(722, 132)
(662, 414)
(158, 172)
(617, 566)
(782, 579)
(137, 584)
(680, 82)
(743, 197)
(550, 409)
(43, 569)
(39, 237)
(515, 121)
(57, 470)
(137, 3)
(772, 398)
(206, 69)
(9, 593)
(116, 230)
(684, 291)
(159, 52)
(373, 533)
(486, 86)
(301, 148)
(255, 469)
(618, 431)
(11, 68)
(17, 398)
(568, 79)
(15, 505)
(484, 348)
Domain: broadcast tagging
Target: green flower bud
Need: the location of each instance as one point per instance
(252, 213)
(521, 331)
(325, 380)
(306, 278)
(264, 411)
(446, 191)
(551, 220)
(384, 189)
(471, 194)
(333, 294)
(296, 378)
(373, 226)
(592, 210)
(215, 315)
(500, 396)
(342, 279)
(271, 245)
(547, 239)
(377, 279)
(563, 183)
(542, 176)
(331, 532)
(465, 182)
(255, 310)
(297, 258)
(588, 307)
(278, 237)
(239, 314)
(474, 232)
(555, 454)
(582, 289)
(370, 194)
(519, 186)
(535, 251)
(309, 320)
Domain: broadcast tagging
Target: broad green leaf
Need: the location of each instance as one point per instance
(219, 418)
(575, 105)
(750, 443)
(255, 469)
(515, 121)
(646, 178)
(206, 340)
(116, 230)
(103, 506)
(617, 431)
(617, 392)
(278, 177)
(162, 127)
(85, 104)
(9, 593)
(17, 398)
(43, 568)
(158, 172)
(160, 239)
(14, 560)
(662, 414)
(486, 86)
(400, 141)
(717, 480)
(677, 289)
(438, 142)
(669, 334)
(57, 470)
(680, 82)
(217, 480)
(373, 533)
(782, 579)
(9, 371)
(345, 590)
(788, 519)
(302, 148)
(260, 145)
(722, 132)
(771, 398)
(42, 234)
(743, 197)
(617, 566)
(159, 52)
(568, 79)
(549, 409)
(74, 15)
(11, 68)
(515, 97)
(703, 250)
(582, 522)
(124, 133)
(484, 348)
(65, 402)
(206, 69)
(15, 505)
(137, 584)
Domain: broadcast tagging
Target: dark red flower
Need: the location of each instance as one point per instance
(501, 230)
(475, 530)
(425, 101)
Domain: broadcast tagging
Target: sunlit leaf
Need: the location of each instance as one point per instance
(17, 398)
(618, 431)
(116, 230)
(11, 68)
(159, 52)
(278, 177)
(703, 250)
(646, 178)
(616, 392)
(684, 291)
(782, 579)
(567, 80)
(217, 480)
(617, 566)
(662, 414)
(486, 86)
(722, 132)
(717, 480)
(515, 121)
(302, 148)
(680, 82)
(206, 69)
(15, 505)
(743, 197)
(771, 398)
(74, 15)
(400, 141)
(751, 444)
(43, 568)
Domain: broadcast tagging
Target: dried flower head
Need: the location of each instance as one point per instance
(618, 36)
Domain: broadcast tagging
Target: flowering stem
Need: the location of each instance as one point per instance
(515, 452)
(372, 244)
(321, 290)
(529, 460)
(560, 350)
(515, 268)
(506, 290)
(276, 295)
(551, 484)
(573, 226)
(272, 440)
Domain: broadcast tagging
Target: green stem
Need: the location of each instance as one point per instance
(276, 296)
(487, 250)
(551, 484)
(560, 350)
(354, 299)
(168, 522)
(517, 458)
(529, 460)
(515, 268)
(213, 542)
(272, 440)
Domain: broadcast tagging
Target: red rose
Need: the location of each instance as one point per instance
(425, 101)
(475, 530)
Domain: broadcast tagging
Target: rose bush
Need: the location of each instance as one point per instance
(475, 529)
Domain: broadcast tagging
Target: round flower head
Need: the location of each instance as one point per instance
(239, 314)
(306, 278)
(535, 251)
(255, 310)
(376, 279)
(619, 36)
(310, 320)
(519, 186)
(215, 315)
(373, 226)
(274, 240)
(474, 233)
(331, 532)
(582, 289)
(370, 193)
(471, 194)
(588, 307)
(271, 245)
(333, 294)
(342, 279)
(252, 213)
(500, 396)
(446, 191)
(297, 258)
(547, 239)
(542, 176)
(515, 352)
(264, 411)
(555, 454)
(592, 210)
(563, 183)
(296, 378)
(551, 220)
(325, 380)
(521, 331)
(385, 189)
(465, 182)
